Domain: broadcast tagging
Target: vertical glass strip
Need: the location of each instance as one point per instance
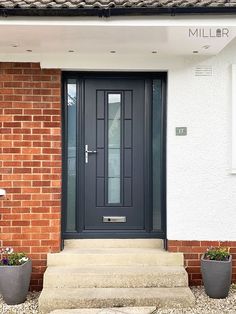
(114, 148)
(71, 156)
(156, 153)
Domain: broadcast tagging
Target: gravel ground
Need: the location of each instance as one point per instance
(204, 305)
(29, 307)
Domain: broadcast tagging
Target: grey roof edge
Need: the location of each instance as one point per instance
(119, 11)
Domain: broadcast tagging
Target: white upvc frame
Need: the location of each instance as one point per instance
(233, 165)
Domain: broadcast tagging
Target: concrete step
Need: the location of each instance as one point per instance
(114, 243)
(114, 256)
(72, 298)
(123, 310)
(115, 277)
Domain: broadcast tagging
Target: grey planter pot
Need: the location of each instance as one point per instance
(216, 277)
(14, 282)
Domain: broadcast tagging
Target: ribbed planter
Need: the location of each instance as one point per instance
(14, 282)
(216, 277)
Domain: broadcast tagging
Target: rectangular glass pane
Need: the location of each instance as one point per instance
(114, 145)
(71, 155)
(114, 163)
(114, 133)
(156, 153)
(114, 106)
(113, 190)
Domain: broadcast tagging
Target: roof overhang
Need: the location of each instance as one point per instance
(45, 38)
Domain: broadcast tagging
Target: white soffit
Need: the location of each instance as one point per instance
(37, 37)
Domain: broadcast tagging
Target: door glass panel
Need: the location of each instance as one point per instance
(71, 153)
(114, 145)
(156, 153)
(114, 163)
(114, 133)
(114, 106)
(113, 190)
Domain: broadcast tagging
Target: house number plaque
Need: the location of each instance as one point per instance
(181, 131)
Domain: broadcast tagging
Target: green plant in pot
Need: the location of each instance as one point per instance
(216, 269)
(15, 274)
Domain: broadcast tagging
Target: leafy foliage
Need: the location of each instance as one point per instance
(9, 258)
(217, 254)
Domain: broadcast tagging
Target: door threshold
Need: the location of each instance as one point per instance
(113, 235)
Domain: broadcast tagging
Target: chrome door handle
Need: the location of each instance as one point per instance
(87, 152)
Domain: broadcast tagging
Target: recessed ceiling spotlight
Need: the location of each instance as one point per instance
(195, 51)
(112, 51)
(29, 50)
(206, 47)
(71, 51)
(154, 51)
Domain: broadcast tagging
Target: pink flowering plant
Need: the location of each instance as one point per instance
(10, 258)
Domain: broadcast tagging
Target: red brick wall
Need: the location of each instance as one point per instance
(192, 253)
(30, 170)
(30, 161)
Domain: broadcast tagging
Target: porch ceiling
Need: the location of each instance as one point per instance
(37, 38)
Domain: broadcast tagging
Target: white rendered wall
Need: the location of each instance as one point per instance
(201, 191)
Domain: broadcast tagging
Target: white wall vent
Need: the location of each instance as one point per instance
(203, 71)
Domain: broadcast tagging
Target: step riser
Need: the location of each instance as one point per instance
(115, 281)
(137, 310)
(95, 298)
(120, 282)
(119, 260)
(105, 303)
(115, 243)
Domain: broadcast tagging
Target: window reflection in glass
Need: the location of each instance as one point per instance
(71, 155)
(114, 145)
(156, 154)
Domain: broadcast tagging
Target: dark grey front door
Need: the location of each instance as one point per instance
(114, 122)
(114, 132)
